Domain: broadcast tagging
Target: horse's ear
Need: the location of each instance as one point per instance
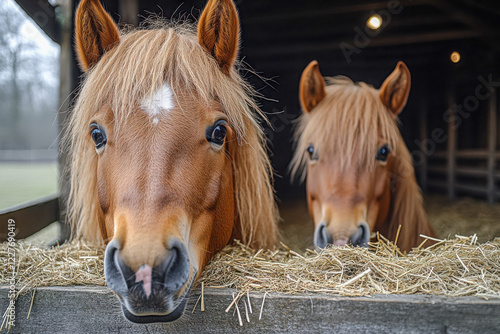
(95, 34)
(396, 88)
(312, 87)
(219, 32)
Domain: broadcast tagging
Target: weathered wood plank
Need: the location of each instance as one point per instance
(96, 310)
(30, 217)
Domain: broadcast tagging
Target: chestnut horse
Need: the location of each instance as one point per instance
(360, 176)
(168, 161)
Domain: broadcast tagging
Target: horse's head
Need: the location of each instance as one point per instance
(161, 121)
(348, 139)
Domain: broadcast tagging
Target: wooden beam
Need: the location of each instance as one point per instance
(471, 189)
(327, 9)
(466, 154)
(474, 172)
(468, 16)
(485, 6)
(438, 155)
(438, 184)
(129, 10)
(485, 24)
(465, 171)
(69, 74)
(29, 217)
(423, 138)
(95, 309)
(451, 161)
(44, 15)
(472, 154)
(492, 142)
(322, 29)
(438, 169)
(292, 49)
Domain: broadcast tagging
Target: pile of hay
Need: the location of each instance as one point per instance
(458, 267)
(74, 263)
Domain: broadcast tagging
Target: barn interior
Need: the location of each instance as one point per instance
(451, 47)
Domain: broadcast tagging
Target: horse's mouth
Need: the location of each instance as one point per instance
(140, 311)
(150, 318)
(151, 294)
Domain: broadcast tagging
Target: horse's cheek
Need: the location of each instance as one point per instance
(104, 214)
(220, 229)
(224, 214)
(314, 192)
(384, 202)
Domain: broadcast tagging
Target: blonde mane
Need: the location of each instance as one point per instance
(354, 113)
(133, 70)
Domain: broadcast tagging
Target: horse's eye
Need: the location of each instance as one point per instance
(310, 151)
(98, 136)
(383, 153)
(217, 133)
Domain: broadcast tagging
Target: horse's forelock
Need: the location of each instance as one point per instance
(347, 123)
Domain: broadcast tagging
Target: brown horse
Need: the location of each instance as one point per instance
(360, 176)
(168, 161)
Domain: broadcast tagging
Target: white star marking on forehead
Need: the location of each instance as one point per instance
(160, 102)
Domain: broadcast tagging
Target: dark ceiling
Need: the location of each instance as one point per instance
(280, 37)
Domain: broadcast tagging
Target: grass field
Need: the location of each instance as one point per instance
(27, 181)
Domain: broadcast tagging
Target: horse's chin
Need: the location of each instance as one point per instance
(147, 319)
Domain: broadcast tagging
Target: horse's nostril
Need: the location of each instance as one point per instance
(175, 267)
(362, 235)
(113, 269)
(321, 236)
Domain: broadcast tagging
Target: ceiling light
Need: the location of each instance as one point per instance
(374, 22)
(455, 57)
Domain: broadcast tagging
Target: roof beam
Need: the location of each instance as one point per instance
(323, 31)
(325, 11)
(44, 15)
(427, 37)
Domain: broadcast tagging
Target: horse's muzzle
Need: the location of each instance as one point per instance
(157, 294)
(323, 237)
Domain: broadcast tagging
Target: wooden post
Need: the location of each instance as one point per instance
(492, 141)
(425, 153)
(69, 74)
(129, 9)
(452, 147)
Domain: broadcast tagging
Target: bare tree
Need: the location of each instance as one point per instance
(24, 90)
